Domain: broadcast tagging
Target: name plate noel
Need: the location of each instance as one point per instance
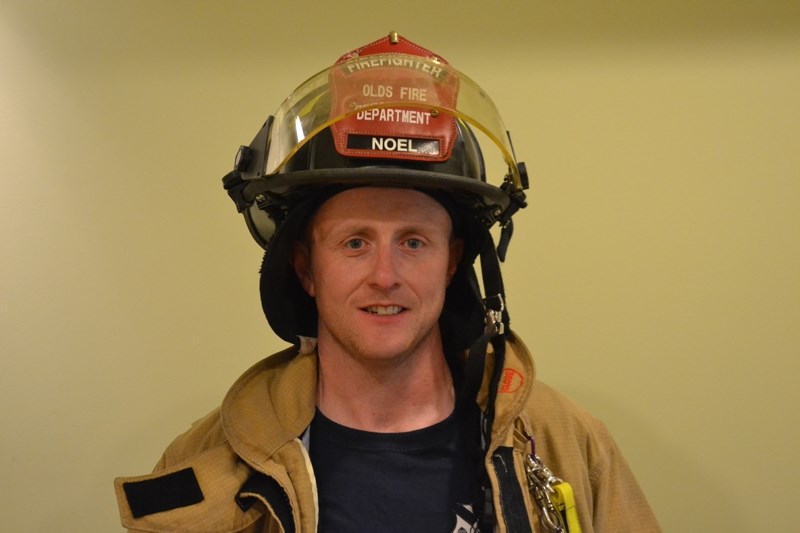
(393, 106)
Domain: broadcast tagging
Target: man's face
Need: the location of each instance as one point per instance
(378, 261)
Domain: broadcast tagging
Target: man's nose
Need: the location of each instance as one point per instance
(385, 272)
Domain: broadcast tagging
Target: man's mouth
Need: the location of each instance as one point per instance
(384, 310)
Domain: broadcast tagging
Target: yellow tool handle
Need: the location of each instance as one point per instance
(564, 501)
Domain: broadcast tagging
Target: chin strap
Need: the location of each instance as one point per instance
(553, 497)
(497, 324)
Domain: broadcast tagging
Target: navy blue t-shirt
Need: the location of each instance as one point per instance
(418, 481)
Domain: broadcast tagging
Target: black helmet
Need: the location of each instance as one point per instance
(388, 114)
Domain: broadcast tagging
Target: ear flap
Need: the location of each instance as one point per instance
(456, 254)
(462, 318)
(290, 310)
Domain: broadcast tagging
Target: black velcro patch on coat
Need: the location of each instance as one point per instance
(164, 493)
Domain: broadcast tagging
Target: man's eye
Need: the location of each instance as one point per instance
(414, 244)
(355, 244)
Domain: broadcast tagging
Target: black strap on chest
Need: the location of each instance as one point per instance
(260, 487)
(511, 497)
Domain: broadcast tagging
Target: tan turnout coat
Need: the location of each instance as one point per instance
(243, 467)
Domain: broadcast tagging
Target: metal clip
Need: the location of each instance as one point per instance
(494, 317)
(540, 482)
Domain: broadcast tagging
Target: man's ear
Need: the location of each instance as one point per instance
(456, 253)
(301, 262)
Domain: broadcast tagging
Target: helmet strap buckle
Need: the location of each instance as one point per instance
(495, 306)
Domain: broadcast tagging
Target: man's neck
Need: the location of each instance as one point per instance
(395, 396)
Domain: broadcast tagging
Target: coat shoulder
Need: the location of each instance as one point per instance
(204, 434)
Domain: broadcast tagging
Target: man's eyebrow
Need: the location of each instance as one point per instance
(347, 226)
(360, 227)
(338, 231)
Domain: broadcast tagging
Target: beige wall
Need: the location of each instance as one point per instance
(655, 273)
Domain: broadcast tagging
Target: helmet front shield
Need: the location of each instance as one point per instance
(388, 106)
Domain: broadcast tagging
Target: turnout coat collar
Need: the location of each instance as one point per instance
(272, 403)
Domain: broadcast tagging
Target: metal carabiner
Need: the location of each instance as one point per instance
(494, 317)
(540, 482)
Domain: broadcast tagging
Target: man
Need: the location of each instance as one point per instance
(405, 402)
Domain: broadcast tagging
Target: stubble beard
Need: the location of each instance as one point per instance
(377, 354)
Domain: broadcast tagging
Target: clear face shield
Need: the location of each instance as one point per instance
(391, 106)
